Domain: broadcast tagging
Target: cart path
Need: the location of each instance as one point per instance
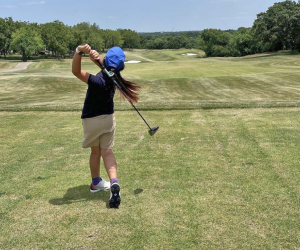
(20, 66)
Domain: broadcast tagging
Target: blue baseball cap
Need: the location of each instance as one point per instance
(115, 58)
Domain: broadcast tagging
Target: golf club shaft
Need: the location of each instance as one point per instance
(140, 115)
(120, 88)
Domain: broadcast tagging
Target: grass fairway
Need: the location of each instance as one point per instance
(173, 82)
(222, 172)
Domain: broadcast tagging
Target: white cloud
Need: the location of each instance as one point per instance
(35, 3)
(10, 6)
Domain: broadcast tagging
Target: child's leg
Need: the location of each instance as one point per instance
(95, 161)
(109, 162)
(97, 182)
(111, 168)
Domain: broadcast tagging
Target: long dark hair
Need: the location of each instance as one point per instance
(128, 89)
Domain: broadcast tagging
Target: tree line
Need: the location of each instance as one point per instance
(58, 39)
(276, 29)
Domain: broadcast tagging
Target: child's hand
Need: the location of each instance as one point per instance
(94, 55)
(85, 48)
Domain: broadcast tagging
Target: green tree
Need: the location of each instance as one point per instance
(143, 41)
(214, 42)
(111, 38)
(295, 28)
(174, 42)
(242, 41)
(27, 41)
(131, 39)
(278, 27)
(7, 27)
(158, 43)
(57, 37)
(3, 29)
(85, 33)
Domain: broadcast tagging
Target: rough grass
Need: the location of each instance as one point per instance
(218, 177)
(209, 179)
(7, 65)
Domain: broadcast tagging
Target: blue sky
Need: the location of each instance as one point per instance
(140, 15)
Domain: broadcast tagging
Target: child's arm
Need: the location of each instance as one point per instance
(76, 64)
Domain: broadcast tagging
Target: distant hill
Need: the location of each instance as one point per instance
(192, 33)
(171, 33)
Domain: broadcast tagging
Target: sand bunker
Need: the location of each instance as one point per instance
(189, 54)
(132, 61)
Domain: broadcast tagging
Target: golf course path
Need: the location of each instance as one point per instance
(20, 66)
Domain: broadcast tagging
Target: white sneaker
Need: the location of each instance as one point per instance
(102, 185)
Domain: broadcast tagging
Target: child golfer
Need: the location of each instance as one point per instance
(98, 116)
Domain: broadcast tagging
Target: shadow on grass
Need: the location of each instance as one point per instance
(138, 191)
(79, 194)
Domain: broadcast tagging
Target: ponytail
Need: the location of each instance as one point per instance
(128, 89)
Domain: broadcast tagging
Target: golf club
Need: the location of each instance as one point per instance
(119, 85)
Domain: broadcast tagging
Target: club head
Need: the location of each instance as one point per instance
(152, 131)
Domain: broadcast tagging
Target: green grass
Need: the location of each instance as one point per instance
(179, 83)
(7, 65)
(225, 179)
(215, 176)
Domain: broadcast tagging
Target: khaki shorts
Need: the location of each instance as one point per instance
(99, 131)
